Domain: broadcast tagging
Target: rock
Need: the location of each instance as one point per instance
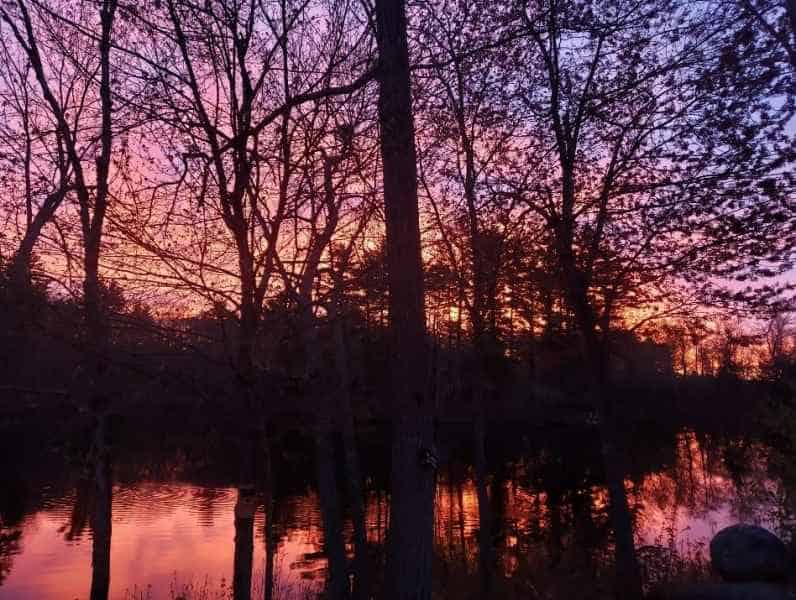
(748, 553)
(722, 591)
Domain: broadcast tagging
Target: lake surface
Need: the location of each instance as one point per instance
(174, 527)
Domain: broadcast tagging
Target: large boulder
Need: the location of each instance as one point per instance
(748, 553)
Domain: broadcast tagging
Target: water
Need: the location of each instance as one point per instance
(165, 535)
(174, 529)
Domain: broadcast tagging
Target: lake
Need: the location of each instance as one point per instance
(174, 502)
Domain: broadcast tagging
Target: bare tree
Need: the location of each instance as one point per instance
(226, 79)
(86, 134)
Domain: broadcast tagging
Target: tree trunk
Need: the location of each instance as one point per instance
(20, 265)
(271, 537)
(485, 536)
(244, 544)
(334, 548)
(331, 515)
(628, 573)
(101, 513)
(595, 353)
(410, 549)
(351, 457)
(791, 8)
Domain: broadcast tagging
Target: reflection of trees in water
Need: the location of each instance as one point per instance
(707, 476)
(13, 506)
(9, 547)
(549, 515)
(81, 509)
(205, 501)
(554, 534)
(331, 511)
(93, 500)
(709, 483)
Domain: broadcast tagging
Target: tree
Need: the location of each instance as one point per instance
(332, 201)
(87, 141)
(413, 469)
(220, 96)
(651, 127)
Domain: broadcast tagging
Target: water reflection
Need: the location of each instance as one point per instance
(707, 485)
(547, 500)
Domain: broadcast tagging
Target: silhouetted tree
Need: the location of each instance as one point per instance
(413, 469)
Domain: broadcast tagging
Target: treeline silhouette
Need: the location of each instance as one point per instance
(185, 361)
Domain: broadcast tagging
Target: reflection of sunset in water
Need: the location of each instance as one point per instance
(550, 526)
(684, 506)
(162, 534)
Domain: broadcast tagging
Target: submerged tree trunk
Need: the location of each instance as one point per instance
(498, 506)
(353, 472)
(337, 582)
(101, 513)
(595, 353)
(271, 536)
(244, 544)
(331, 513)
(409, 554)
(628, 573)
(485, 535)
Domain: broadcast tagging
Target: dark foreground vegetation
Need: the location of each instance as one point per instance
(399, 215)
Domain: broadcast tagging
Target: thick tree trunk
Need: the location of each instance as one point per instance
(98, 334)
(248, 308)
(480, 384)
(410, 550)
(94, 313)
(413, 464)
(790, 34)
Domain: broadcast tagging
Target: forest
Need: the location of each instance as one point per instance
(367, 239)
